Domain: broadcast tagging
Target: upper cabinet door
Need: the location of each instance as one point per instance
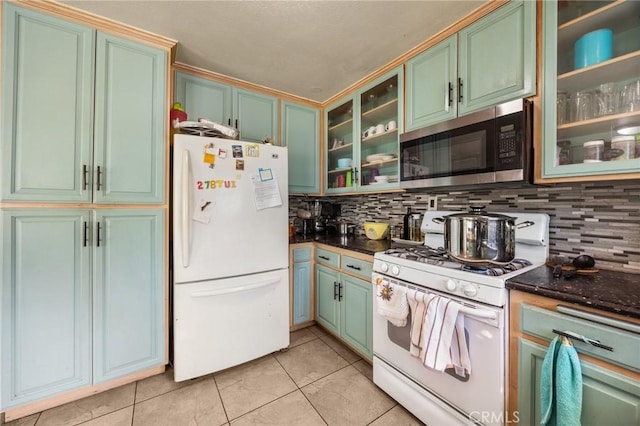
(497, 57)
(202, 98)
(255, 115)
(47, 101)
(130, 122)
(300, 133)
(431, 78)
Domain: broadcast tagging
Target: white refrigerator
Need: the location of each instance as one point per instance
(230, 253)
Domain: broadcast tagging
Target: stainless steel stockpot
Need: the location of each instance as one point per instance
(478, 237)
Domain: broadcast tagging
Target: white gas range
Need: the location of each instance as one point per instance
(451, 397)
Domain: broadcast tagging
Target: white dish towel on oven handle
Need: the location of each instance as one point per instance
(392, 303)
(443, 336)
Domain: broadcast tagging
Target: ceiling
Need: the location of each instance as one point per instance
(311, 49)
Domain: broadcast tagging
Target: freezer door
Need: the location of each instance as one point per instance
(222, 323)
(230, 208)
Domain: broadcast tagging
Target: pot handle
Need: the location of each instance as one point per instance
(525, 224)
(438, 220)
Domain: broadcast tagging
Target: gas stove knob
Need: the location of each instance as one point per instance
(469, 290)
(451, 285)
(384, 267)
(395, 270)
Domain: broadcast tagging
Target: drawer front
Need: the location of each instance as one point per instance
(357, 267)
(302, 254)
(328, 258)
(540, 322)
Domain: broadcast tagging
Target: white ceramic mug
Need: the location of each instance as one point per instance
(380, 128)
(391, 125)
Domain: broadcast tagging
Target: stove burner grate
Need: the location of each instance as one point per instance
(439, 257)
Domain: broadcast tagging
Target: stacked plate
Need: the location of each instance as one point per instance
(380, 157)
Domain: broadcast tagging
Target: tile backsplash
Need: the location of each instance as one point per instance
(601, 219)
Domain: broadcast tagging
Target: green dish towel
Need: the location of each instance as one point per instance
(561, 385)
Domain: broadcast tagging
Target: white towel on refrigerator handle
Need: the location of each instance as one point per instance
(437, 333)
(392, 303)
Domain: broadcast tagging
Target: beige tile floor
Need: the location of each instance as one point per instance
(317, 381)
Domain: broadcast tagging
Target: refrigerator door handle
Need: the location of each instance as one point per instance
(186, 208)
(241, 289)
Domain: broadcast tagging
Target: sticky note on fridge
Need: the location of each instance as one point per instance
(265, 174)
(202, 214)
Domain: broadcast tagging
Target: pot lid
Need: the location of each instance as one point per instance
(478, 212)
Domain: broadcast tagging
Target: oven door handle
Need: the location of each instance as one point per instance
(478, 313)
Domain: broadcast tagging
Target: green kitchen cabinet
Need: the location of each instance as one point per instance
(489, 62)
(431, 77)
(607, 85)
(254, 114)
(302, 286)
(300, 134)
(607, 396)
(356, 313)
(344, 298)
(362, 137)
(203, 98)
(128, 292)
(327, 302)
(82, 298)
(83, 113)
(46, 304)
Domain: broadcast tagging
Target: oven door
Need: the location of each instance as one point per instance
(479, 396)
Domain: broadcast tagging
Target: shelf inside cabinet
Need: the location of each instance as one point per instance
(380, 138)
(341, 125)
(380, 114)
(611, 71)
(620, 14)
(380, 163)
(603, 124)
(341, 170)
(341, 148)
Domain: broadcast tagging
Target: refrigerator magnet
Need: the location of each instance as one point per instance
(209, 155)
(265, 174)
(239, 164)
(237, 151)
(203, 213)
(253, 150)
(222, 153)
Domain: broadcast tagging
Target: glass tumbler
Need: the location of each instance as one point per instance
(605, 100)
(582, 106)
(562, 103)
(630, 97)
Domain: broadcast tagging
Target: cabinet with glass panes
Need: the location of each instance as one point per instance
(339, 173)
(380, 121)
(591, 97)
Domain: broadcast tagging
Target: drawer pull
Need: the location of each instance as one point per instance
(592, 342)
(623, 325)
(324, 257)
(357, 268)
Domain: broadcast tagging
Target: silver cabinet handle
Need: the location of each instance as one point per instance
(98, 175)
(85, 172)
(573, 335)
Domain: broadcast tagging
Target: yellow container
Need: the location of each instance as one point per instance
(376, 230)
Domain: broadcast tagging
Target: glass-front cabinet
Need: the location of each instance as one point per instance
(362, 137)
(591, 98)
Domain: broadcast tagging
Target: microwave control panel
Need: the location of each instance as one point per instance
(508, 151)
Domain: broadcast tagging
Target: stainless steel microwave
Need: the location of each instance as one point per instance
(490, 146)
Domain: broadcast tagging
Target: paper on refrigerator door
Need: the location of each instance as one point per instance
(266, 190)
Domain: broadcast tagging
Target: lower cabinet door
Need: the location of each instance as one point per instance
(327, 304)
(608, 398)
(356, 314)
(129, 292)
(301, 292)
(46, 318)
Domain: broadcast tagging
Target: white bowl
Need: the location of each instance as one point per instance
(344, 163)
(382, 179)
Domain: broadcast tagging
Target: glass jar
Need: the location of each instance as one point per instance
(593, 151)
(564, 153)
(627, 144)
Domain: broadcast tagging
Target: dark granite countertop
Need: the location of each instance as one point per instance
(355, 243)
(610, 291)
